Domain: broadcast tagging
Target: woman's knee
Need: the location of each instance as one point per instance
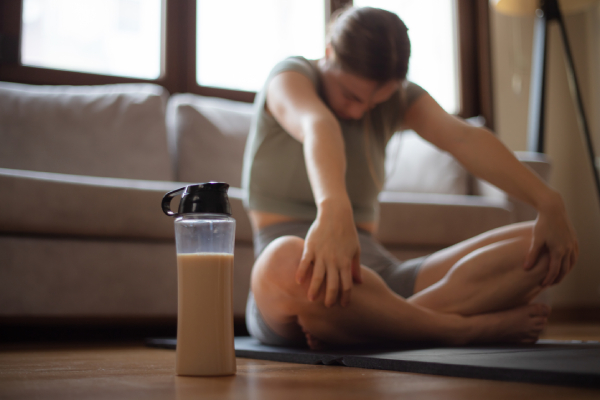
(540, 268)
(518, 252)
(522, 252)
(277, 264)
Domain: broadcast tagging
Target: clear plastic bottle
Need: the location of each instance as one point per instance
(204, 237)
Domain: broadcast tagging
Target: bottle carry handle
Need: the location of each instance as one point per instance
(166, 202)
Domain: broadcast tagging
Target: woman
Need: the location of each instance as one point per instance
(312, 171)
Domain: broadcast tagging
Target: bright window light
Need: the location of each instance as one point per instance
(240, 41)
(434, 56)
(110, 37)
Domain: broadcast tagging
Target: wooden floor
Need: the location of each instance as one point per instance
(132, 371)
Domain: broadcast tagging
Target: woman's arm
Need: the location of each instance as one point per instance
(331, 249)
(480, 152)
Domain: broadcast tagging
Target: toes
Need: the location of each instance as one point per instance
(539, 310)
(540, 325)
(313, 343)
(532, 336)
(540, 320)
(309, 341)
(530, 340)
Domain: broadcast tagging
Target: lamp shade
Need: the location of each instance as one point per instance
(528, 7)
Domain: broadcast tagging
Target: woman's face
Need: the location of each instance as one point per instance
(350, 96)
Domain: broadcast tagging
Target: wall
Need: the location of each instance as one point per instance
(511, 39)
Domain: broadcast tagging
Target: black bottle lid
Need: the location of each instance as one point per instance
(201, 198)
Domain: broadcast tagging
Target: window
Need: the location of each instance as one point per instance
(239, 41)
(112, 37)
(226, 48)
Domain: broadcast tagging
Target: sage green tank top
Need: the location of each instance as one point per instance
(274, 174)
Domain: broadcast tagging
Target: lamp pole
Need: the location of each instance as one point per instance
(547, 12)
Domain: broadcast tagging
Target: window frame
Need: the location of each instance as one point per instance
(179, 63)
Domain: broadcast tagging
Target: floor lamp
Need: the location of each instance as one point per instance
(546, 11)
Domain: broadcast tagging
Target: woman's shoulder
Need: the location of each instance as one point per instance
(412, 91)
(297, 64)
(404, 96)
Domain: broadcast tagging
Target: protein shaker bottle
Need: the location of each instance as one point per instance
(204, 237)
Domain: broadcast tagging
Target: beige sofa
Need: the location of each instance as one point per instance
(83, 170)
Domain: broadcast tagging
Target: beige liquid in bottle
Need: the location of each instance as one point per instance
(205, 315)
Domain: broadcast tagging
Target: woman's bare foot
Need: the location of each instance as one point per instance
(518, 325)
(313, 342)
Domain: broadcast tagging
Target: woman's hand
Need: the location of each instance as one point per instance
(553, 231)
(332, 251)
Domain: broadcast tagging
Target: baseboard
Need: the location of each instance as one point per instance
(71, 320)
(86, 329)
(575, 315)
(136, 328)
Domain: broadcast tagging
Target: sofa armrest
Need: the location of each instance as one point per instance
(437, 219)
(539, 164)
(75, 205)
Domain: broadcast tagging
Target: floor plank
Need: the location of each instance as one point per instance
(132, 371)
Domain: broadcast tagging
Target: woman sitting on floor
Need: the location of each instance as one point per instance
(313, 168)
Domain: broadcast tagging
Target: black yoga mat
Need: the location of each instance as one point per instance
(571, 363)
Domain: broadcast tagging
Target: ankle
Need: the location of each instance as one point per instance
(461, 330)
(482, 327)
(475, 330)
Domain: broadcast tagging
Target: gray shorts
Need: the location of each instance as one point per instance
(399, 275)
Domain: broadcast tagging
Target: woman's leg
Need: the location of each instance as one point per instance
(438, 264)
(375, 313)
(484, 274)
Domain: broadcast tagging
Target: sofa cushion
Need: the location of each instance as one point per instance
(111, 130)
(422, 219)
(43, 203)
(414, 165)
(207, 137)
